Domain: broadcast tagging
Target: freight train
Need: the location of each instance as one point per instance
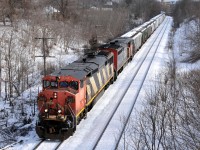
(69, 93)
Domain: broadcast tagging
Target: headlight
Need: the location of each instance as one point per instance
(55, 95)
(59, 111)
(46, 110)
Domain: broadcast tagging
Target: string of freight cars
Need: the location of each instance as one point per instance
(69, 93)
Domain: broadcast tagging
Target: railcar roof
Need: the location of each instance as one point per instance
(112, 45)
(156, 17)
(122, 40)
(133, 32)
(82, 67)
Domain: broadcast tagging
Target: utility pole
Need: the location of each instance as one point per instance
(44, 50)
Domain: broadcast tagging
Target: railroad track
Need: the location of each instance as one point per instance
(105, 141)
(140, 87)
(38, 144)
(48, 144)
(96, 137)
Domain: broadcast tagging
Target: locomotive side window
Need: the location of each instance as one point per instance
(106, 63)
(46, 84)
(74, 85)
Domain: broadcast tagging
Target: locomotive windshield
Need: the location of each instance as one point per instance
(63, 84)
(71, 84)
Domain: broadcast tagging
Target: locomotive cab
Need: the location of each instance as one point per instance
(59, 103)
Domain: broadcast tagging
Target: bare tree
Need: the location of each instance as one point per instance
(192, 36)
(170, 117)
(189, 118)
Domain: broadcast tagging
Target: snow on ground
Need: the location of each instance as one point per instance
(11, 113)
(162, 58)
(181, 45)
(32, 138)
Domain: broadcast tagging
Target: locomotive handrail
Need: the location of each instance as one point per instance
(72, 114)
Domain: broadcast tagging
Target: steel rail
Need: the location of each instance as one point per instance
(56, 143)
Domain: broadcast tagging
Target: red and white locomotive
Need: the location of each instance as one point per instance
(69, 93)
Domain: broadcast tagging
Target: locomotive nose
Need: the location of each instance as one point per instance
(56, 100)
